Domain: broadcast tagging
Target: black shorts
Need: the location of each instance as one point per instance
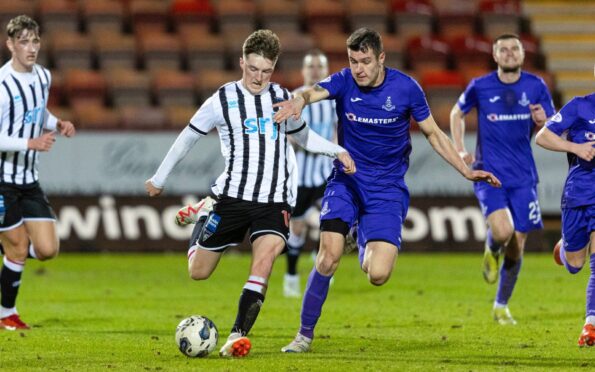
(227, 224)
(306, 198)
(19, 203)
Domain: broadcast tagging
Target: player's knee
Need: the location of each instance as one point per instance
(47, 251)
(378, 277)
(502, 234)
(326, 263)
(574, 264)
(198, 273)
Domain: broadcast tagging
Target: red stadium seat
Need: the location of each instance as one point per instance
(413, 17)
(371, 13)
(500, 17)
(58, 15)
(173, 88)
(159, 50)
(148, 15)
(471, 51)
(97, 117)
(442, 88)
(193, 14)
(203, 50)
(451, 25)
(115, 50)
(147, 117)
(128, 88)
(427, 53)
(333, 45)
(322, 16)
(236, 17)
(83, 86)
(102, 15)
(71, 50)
(279, 15)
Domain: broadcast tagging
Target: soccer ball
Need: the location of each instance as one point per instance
(196, 336)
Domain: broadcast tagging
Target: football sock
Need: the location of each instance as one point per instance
(494, 246)
(509, 273)
(250, 303)
(31, 253)
(314, 297)
(10, 280)
(591, 290)
(571, 269)
(294, 247)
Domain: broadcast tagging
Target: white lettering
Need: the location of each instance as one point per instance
(458, 220)
(419, 226)
(130, 222)
(110, 217)
(72, 224)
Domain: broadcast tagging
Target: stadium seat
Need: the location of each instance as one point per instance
(58, 15)
(173, 88)
(499, 17)
(128, 88)
(290, 79)
(371, 13)
(102, 15)
(442, 88)
(333, 45)
(179, 116)
(71, 50)
(394, 50)
(148, 15)
(451, 25)
(236, 17)
(192, 14)
(203, 49)
(115, 50)
(413, 17)
(472, 72)
(209, 81)
(56, 97)
(471, 51)
(295, 45)
(159, 50)
(139, 117)
(84, 86)
(11, 9)
(427, 53)
(95, 117)
(322, 16)
(279, 15)
(533, 57)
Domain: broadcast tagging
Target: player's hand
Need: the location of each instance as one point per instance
(585, 151)
(479, 175)
(151, 189)
(467, 157)
(347, 161)
(291, 108)
(43, 142)
(538, 114)
(66, 128)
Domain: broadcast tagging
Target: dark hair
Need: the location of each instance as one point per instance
(264, 43)
(363, 39)
(506, 37)
(18, 24)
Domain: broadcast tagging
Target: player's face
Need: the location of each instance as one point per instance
(257, 71)
(24, 49)
(366, 69)
(509, 55)
(315, 69)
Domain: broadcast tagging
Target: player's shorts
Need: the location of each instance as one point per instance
(20, 203)
(380, 214)
(522, 202)
(577, 226)
(306, 198)
(227, 224)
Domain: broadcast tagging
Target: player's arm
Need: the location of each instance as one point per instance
(457, 130)
(313, 142)
(183, 144)
(551, 141)
(52, 123)
(445, 148)
(293, 107)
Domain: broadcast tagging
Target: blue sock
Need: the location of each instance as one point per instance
(314, 297)
(591, 288)
(494, 246)
(571, 269)
(509, 272)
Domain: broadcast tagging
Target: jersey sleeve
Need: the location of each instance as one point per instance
(205, 117)
(468, 98)
(419, 105)
(564, 119)
(545, 100)
(335, 84)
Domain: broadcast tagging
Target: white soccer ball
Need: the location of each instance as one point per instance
(196, 336)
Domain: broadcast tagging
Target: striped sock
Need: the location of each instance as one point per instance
(10, 281)
(251, 301)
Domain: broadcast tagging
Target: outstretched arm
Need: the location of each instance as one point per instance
(185, 141)
(457, 130)
(443, 146)
(551, 141)
(293, 108)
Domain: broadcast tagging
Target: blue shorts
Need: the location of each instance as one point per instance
(522, 203)
(577, 226)
(379, 213)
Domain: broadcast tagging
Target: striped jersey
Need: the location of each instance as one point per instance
(313, 169)
(260, 164)
(23, 101)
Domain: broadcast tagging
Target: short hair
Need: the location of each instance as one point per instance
(18, 24)
(264, 43)
(316, 53)
(506, 37)
(363, 39)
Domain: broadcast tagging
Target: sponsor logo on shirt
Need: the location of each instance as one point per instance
(590, 136)
(264, 126)
(507, 117)
(388, 105)
(356, 99)
(494, 99)
(524, 101)
(232, 104)
(592, 121)
(557, 118)
(353, 117)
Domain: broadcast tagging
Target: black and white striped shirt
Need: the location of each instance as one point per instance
(23, 115)
(313, 169)
(260, 163)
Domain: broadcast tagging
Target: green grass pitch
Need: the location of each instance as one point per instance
(104, 312)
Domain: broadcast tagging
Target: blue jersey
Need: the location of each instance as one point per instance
(505, 125)
(577, 119)
(373, 124)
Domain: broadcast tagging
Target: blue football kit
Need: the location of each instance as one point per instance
(577, 121)
(373, 126)
(503, 146)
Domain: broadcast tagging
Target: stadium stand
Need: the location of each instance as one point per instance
(58, 16)
(279, 15)
(371, 13)
(101, 16)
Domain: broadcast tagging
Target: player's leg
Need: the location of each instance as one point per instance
(587, 337)
(295, 243)
(379, 261)
(509, 272)
(44, 242)
(16, 242)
